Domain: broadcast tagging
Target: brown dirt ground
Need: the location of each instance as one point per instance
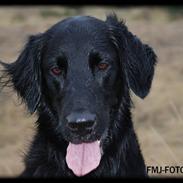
(158, 119)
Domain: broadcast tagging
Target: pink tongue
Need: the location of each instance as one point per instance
(83, 158)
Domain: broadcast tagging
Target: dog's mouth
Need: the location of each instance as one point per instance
(84, 157)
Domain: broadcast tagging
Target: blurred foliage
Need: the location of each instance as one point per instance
(18, 18)
(45, 13)
(52, 13)
(175, 11)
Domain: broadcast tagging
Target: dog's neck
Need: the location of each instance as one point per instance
(117, 155)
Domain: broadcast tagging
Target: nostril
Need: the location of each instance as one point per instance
(73, 126)
(81, 121)
(82, 125)
(86, 124)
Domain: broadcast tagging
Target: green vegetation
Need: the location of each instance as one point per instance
(45, 13)
(175, 12)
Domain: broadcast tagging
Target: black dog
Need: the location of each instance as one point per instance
(76, 76)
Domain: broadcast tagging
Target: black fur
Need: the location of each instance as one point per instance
(105, 93)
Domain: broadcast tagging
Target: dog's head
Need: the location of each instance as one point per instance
(78, 73)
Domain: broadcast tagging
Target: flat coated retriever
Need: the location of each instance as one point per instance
(77, 77)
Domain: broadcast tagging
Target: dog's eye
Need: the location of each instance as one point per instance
(102, 66)
(56, 71)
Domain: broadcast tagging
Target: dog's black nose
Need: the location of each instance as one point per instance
(81, 122)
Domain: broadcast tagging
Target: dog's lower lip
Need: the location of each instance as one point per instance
(87, 141)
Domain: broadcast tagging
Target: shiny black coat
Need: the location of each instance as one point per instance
(79, 44)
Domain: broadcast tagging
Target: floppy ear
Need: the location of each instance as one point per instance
(138, 59)
(25, 73)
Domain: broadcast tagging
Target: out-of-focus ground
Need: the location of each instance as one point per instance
(158, 119)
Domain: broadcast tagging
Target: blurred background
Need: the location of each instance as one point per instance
(158, 119)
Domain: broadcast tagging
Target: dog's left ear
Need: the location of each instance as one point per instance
(138, 59)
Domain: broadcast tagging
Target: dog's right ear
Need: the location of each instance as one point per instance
(25, 73)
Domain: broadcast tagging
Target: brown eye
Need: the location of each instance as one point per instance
(56, 71)
(102, 66)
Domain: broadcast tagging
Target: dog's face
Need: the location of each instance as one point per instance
(76, 76)
(80, 67)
